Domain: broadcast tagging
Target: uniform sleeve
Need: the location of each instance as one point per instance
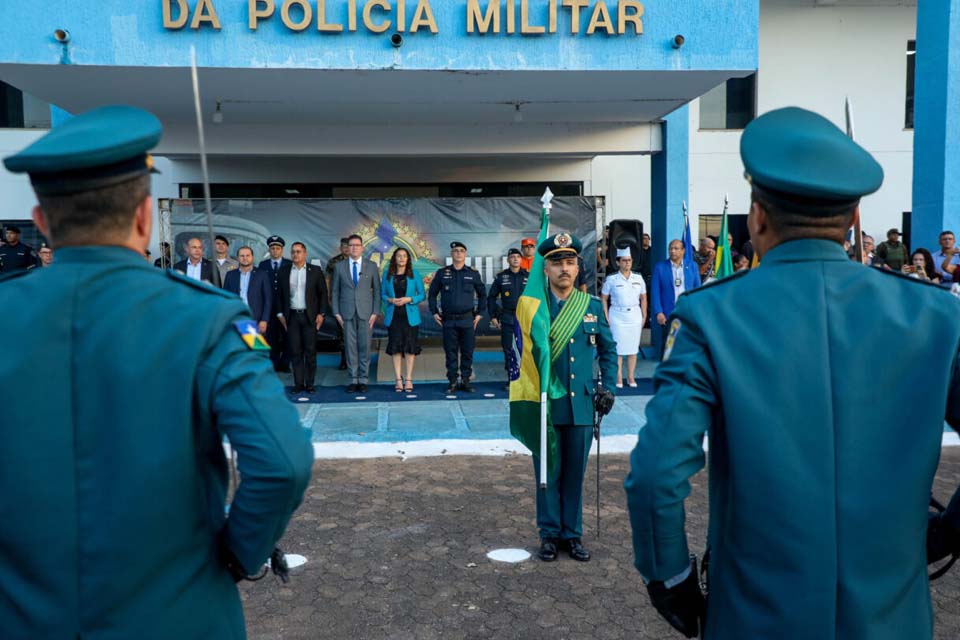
(607, 352)
(481, 290)
(643, 286)
(607, 286)
(492, 306)
(246, 402)
(324, 307)
(952, 515)
(434, 292)
(669, 451)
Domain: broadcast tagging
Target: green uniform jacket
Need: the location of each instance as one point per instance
(118, 387)
(574, 367)
(822, 455)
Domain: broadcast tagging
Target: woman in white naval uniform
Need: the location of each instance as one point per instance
(624, 297)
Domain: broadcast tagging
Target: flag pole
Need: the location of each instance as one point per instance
(547, 197)
(233, 478)
(857, 226)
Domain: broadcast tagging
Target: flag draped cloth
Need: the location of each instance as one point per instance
(530, 391)
(724, 265)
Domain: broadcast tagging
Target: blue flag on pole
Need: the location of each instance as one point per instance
(687, 243)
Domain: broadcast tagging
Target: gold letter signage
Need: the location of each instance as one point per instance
(483, 17)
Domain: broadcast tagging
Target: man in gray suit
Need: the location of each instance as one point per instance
(355, 295)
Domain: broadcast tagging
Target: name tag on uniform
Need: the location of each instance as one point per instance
(589, 318)
(593, 339)
(677, 282)
(468, 277)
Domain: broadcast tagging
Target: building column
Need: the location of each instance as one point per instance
(936, 130)
(669, 182)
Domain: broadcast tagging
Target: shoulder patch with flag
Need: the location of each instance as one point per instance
(250, 336)
(671, 338)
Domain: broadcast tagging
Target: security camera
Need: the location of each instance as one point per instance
(396, 40)
(678, 41)
(62, 36)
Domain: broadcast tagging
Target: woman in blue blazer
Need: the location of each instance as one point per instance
(402, 315)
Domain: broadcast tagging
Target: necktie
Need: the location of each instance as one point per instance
(274, 266)
(356, 277)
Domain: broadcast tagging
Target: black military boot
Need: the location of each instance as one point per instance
(548, 550)
(575, 548)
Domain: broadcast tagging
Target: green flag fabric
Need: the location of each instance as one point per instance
(528, 393)
(724, 264)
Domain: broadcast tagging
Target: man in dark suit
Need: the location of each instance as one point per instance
(302, 297)
(196, 267)
(253, 286)
(276, 333)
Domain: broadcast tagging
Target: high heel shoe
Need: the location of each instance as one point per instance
(399, 386)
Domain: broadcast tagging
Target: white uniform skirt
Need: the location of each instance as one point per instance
(626, 327)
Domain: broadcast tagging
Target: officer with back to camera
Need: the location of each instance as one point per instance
(819, 524)
(114, 497)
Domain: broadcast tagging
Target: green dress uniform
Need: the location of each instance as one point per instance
(116, 402)
(560, 506)
(817, 517)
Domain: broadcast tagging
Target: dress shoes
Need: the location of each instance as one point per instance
(362, 388)
(453, 388)
(297, 388)
(465, 387)
(311, 388)
(353, 388)
(575, 548)
(548, 550)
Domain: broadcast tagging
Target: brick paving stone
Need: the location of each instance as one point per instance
(397, 550)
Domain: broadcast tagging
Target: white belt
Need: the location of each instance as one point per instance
(625, 308)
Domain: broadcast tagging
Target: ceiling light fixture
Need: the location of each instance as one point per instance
(218, 114)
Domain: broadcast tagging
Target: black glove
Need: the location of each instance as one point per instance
(233, 565)
(603, 402)
(942, 539)
(683, 606)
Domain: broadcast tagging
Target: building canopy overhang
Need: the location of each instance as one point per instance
(446, 90)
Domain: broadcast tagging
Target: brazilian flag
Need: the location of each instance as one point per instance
(724, 264)
(529, 392)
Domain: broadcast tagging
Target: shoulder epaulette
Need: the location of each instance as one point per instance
(10, 275)
(201, 286)
(716, 283)
(903, 276)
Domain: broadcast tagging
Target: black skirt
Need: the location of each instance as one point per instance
(401, 337)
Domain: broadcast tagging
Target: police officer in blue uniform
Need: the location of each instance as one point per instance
(113, 498)
(585, 335)
(15, 255)
(502, 300)
(463, 297)
(818, 516)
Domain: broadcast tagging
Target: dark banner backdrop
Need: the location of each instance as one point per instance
(424, 226)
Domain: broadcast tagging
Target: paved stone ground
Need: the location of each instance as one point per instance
(397, 550)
